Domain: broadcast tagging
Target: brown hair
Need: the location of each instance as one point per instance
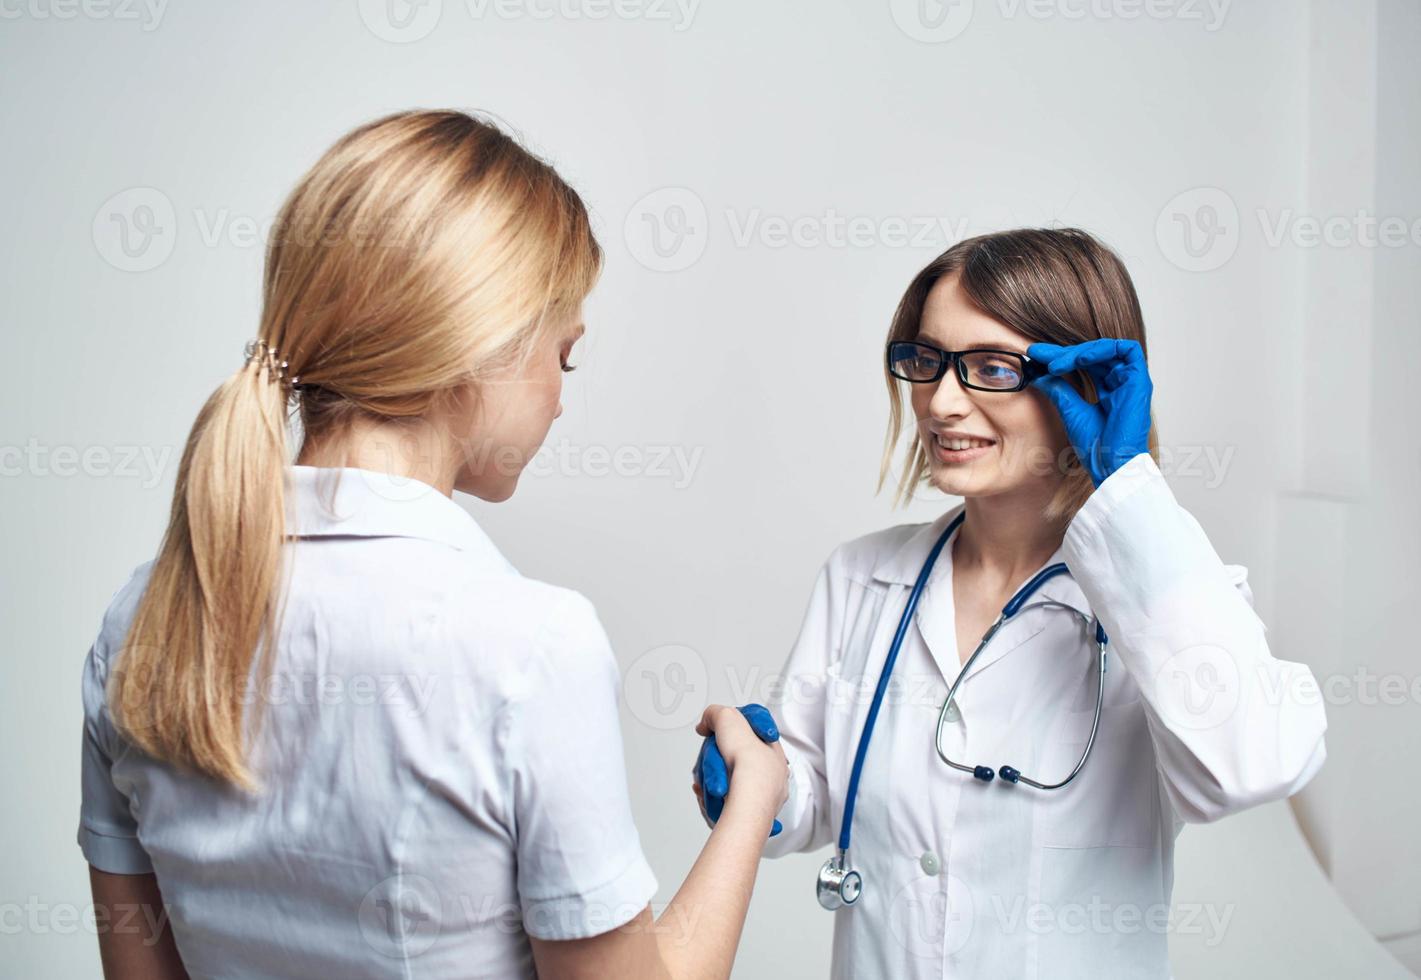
(420, 250)
(1058, 286)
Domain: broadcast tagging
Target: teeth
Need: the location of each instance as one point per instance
(961, 443)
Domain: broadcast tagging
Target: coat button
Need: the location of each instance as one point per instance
(953, 714)
(929, 863)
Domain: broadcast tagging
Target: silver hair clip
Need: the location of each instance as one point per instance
(261, 351)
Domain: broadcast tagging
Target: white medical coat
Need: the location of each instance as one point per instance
(970, 879)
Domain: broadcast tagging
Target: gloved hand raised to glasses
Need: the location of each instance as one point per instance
(1108, 434)
(743, 739)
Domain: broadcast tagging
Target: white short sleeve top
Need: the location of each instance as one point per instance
(439, 753)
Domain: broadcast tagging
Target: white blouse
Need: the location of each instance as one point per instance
(439, 752)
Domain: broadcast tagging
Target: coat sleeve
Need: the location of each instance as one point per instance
(1232, 725)
(799, 710)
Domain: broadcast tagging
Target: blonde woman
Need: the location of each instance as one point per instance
(330, 731)
(1004, 717)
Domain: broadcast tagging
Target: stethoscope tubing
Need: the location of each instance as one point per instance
(846, 826)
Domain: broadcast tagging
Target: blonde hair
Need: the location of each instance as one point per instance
(1059, 286)
(422, 249)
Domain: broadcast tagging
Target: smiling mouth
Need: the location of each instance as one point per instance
(959, 451)
(961, 445)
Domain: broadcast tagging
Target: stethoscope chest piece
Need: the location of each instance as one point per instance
(838, 885)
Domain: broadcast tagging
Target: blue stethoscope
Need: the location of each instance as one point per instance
(839, 884)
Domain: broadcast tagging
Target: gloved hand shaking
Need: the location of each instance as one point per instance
(710, 774)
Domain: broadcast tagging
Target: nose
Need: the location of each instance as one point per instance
(950, 399)
(558, 413)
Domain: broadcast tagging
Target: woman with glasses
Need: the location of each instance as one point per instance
(1002, 719)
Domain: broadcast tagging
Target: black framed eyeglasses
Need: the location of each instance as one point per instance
(981, 369)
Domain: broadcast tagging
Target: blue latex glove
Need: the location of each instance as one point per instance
(710, 771)
(1114, 430)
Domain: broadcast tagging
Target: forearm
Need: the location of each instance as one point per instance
(699, 930)
(135, 940)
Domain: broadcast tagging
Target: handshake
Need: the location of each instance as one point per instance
(745, 742)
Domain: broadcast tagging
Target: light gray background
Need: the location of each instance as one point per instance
(724, 147)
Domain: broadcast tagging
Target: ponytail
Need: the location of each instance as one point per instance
(177, 691)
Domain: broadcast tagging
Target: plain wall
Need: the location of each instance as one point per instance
(1346, 604)
(733, 346)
